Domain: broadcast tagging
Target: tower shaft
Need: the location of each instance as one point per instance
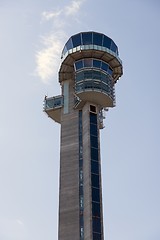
(80, 205)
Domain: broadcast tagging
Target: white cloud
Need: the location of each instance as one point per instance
(48, 58)
(74, 7)
(50, 15)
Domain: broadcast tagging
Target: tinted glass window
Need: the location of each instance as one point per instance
(96, 224)
(110, 71)
(97, 85)
(113, 47)
(105, 87)
(81, 220)
(79, 64)
(81, 190)
(79, 87)
(80, 163)
(94, 154)
(88, 84)
(79, 76)
(93, 130)
(105, 79)
(80, 122)
(95, 180)
(94, 141)
(96, 75)
(69, 44)
(95, 209)
(117, 51)
(96, 236)
(97, 39)
(107, 42)
(96, 63)
(87, 38)
(109, 81)
(76, 40)
(81, 202)
(64, 50)
(95, 167)
(104, 66)
(93, 118)
(88, 74)
(88, 62)
(80, 150)
(95, 195)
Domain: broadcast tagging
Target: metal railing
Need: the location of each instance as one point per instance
(53, 102)
(98, 86)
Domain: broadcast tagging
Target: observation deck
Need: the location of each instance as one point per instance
(52, 106)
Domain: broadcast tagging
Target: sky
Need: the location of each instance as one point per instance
(32, 36)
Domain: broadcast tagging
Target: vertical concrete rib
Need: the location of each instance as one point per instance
(69, 173)
(87, 175)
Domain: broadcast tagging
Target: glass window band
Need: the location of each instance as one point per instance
(90, 38)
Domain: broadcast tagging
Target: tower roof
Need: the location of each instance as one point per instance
(90, 38)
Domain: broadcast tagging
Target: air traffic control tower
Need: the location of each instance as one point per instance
(89, 70)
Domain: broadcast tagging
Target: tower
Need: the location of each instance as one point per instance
(89, 70)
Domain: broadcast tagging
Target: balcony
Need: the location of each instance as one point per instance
(52, 106)
(95, 86)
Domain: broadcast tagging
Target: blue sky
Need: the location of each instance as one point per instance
(32, 35)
